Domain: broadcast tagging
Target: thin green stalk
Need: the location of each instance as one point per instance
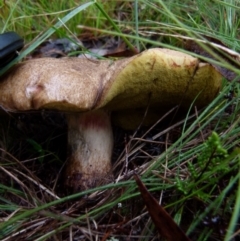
(214, 204)
(46, 35)
(235, 215)
(136, 23)
(117, 29)
(10, 15)
(59, 201)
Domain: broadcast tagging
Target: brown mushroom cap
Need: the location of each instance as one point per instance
(72, 84)
(69, 84)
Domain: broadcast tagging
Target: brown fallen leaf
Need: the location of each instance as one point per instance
(162, 220)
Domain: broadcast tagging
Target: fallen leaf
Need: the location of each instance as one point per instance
(162, 220)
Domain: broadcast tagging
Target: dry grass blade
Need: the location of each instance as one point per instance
(16, 179)
(45, 189)
(27, 230)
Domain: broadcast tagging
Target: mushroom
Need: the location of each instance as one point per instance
(90, 91)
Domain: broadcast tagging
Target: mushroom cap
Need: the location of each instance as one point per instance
(68, 84)
(162, 78)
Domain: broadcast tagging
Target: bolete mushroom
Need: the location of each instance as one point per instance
(88, 91)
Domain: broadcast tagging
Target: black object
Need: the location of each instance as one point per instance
(10, 43)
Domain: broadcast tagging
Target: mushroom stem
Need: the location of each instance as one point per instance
(90, 141)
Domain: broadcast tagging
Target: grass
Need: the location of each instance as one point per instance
(190, 166)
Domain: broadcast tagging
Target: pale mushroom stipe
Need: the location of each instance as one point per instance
(89, 91)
